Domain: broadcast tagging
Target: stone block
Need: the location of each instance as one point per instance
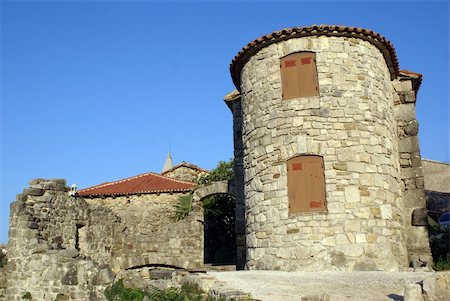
(386, 211)
(437, 286)
(413, 292)
(340, 166)
(405, 112)
(420, 217)
(33, 191)
(70, 277)
(342, 239)
(103, 277)
(352, 226)
(409, 144)
(352, 194)
(408, 97)
(411, 128)
(360, 238)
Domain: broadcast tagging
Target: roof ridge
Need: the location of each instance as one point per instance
(106, 184)
(172, 179)
(379, 41)
(184, 163)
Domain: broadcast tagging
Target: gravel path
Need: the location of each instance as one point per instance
(291, 286)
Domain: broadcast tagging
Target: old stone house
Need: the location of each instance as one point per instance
(145, 205)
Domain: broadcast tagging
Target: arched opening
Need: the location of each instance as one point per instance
(219, 229)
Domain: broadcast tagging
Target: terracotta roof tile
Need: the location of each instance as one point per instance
(386, 48)
(140, 184)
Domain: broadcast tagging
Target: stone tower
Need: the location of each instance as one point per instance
(328, 172)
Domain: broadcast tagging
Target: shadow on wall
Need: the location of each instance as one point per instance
(219, 229)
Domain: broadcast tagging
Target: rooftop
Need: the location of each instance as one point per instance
(385, 46)
(140, 184)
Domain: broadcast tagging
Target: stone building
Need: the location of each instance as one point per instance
(71, 247)
(328, 176)
(328, 166)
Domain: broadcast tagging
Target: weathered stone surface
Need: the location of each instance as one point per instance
(413, 292)
(103, 277)
(161, 274)
(420, 217)
(76, 245)
(357, 126)
(71, 277)
(437, 286)
(33, 191)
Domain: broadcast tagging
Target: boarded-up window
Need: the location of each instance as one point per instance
(306, 184)
(299, 75)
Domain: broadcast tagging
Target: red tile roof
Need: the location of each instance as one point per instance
(315, 30)
(185, 164)
(140, 184)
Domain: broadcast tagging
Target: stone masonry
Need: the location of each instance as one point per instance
(70, 248)
(362, 124)
(42, 258)
(148, 234)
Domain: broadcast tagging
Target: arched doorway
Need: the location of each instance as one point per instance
(219, 229)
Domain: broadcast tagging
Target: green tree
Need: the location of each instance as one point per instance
(223, 171)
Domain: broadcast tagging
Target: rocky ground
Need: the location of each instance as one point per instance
(320, 286)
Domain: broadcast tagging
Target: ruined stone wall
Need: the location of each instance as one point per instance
(412, 180)
(71, 247)
(149, 235)
(42, 258)
(352, 125)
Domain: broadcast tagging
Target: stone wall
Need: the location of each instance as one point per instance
(42, 258)
(183, 173)
(233, 100)
(149, 235)
(353, 126)
(412, 180)
(436, 176)
(70, 248)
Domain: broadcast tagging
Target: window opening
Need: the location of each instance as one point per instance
(77, 236)
(299, 75)
(306, 184)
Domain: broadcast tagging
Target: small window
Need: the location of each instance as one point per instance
(306, 184)
(299, 75)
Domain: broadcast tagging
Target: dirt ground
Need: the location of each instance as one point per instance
(292, 286)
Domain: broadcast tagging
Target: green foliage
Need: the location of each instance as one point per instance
(439, 242)
(183, 207)
(219, 218)
(191, 289)
(223, 171)
(118, 292)
(443, 263)
(188, 292)
(26, 296)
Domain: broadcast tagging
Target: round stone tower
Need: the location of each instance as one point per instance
(318, 149)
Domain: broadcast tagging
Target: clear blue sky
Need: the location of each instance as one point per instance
(96, 91)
